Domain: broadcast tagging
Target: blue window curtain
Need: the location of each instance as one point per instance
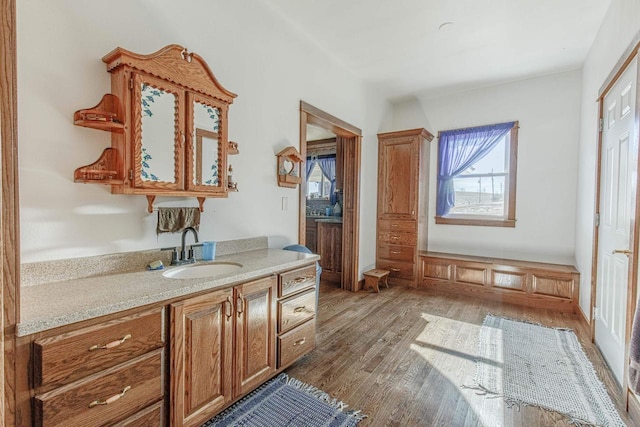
(309, 167)
(328, 166)
(458, 150)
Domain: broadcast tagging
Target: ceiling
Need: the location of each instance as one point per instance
(315, 133)
(398, 46)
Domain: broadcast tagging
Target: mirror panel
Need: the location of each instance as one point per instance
(206, 161)
(159, 130)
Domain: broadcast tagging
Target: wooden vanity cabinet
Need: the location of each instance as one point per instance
(99, 375)
(222, 345)
(403, 183)
(207, 372)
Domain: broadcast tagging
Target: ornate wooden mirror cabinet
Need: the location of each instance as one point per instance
(167, 115)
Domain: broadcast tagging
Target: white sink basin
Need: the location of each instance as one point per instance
(198, 271)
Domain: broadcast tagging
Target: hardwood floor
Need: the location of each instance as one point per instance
(401, 356)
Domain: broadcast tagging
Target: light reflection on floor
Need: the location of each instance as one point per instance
(456, 361)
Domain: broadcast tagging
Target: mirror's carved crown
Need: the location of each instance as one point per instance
(175, 64)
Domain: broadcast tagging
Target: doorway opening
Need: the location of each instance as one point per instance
(329, 208)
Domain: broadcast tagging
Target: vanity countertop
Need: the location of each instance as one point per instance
(51, 305)
(331, 220)
(318, 217)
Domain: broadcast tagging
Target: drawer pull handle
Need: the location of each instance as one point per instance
(111, 399)
(300, 309)
(111, 344)
(300, 342)
(240, 305)
(394, 269)
(395, 252)
(298, 280)
(229, 312)
(395, 237)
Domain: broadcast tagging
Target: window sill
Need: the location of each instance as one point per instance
(481, 222)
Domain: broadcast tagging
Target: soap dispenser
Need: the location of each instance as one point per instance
(337, 209)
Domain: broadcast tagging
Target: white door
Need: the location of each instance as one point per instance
(619, 160)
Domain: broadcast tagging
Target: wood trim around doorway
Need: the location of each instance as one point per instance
(9, 211)
(351, 213)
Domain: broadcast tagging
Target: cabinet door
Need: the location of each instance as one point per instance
(206, 159)
(311, 235)
(255, 333)
(330, 250)
(201, 366)
(158, 134)
(397, 185)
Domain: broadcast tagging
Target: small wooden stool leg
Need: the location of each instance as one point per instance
(371, 282)
(386, 281)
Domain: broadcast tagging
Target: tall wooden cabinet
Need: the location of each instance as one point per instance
(403, 185)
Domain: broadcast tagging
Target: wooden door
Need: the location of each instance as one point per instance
(619, 157)
(398, 169)
(201, 357)
(255, 333)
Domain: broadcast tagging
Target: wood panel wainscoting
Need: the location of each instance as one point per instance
(533, 284)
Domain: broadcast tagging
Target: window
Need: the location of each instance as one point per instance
(321, 177)
(477, 175)
(318, 185)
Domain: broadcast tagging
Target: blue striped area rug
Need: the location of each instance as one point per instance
(286, 401)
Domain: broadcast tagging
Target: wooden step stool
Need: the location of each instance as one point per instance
(372, 279)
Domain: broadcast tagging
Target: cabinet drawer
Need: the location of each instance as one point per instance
(401, 270)
(292, 281)
(397, 252)
(152, 416)
(295, 343)
(65, 358)
(390, 225)
(293, 311)
(398, 237)
(75, 404)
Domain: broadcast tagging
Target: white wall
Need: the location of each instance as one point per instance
(617, 31)
(252, 52)
(548, 111)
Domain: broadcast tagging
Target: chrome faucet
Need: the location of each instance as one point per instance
(185, 256)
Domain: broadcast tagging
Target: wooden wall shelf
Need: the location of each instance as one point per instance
(289, 161)
(193, 101)
(107, 115)
(105, 170)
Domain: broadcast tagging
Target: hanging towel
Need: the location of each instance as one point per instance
(634, 353)
(173, 220)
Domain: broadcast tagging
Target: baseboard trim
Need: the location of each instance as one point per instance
(583, 316)
(633, 407)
